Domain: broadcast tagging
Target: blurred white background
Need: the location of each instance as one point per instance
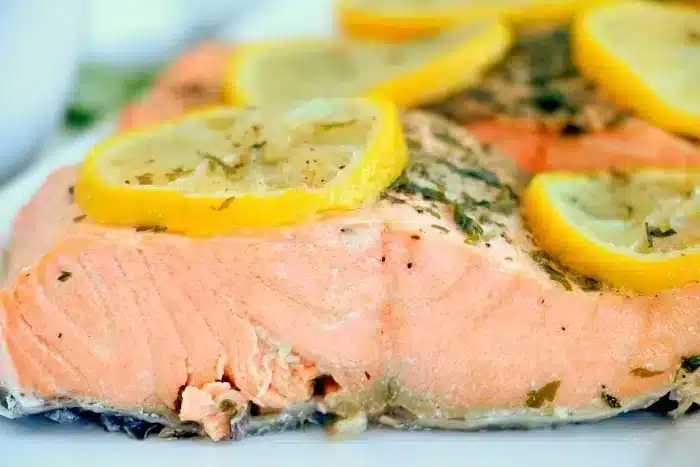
(47, 47)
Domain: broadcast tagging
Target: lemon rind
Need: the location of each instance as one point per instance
(198, 215)
(617, 79)
(585, 254)
(362, 22)
(455, 68)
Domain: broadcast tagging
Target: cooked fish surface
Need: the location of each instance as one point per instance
(430, 307)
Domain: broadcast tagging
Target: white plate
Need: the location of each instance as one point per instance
(639, 440)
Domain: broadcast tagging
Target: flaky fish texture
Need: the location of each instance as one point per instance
(430, 307)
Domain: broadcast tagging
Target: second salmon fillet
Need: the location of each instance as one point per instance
(431, 307)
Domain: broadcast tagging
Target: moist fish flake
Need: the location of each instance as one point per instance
(396, 314)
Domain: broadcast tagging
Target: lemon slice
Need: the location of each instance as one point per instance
(637, 230)
(647, 56)
(404, 19)
(228, 168)
(409, 73)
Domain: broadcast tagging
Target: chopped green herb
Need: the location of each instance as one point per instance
(480, 94)
(547, 393)
(649, 238)
(176, 173)
(557, 276)
(145, 179)
(543, 259)
(79, 218)
(466, 224)
(691, 363)
(589, 284)
(260, 145)
(78, 118)
(448, 138)
(470, 202)
(610, 400)
(64, 276)
(225, 203)
(392, 199)
(484, 175)
(333, 125)
(430, 194)
(656, 232)
(151, 228)
(413, 145)
(645, 373)
(420, 169)
(620, 117)
(549, 100)
(439, 228)
(433, 213)
(216, 162)
(403, 185)
(504, 205)
(540, 256)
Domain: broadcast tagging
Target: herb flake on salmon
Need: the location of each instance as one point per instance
(344, 320)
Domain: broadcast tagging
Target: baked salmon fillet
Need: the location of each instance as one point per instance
(430, 307)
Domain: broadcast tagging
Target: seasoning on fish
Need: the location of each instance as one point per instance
(323, 320)
(536, 107)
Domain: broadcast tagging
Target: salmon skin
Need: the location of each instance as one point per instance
(429, 308)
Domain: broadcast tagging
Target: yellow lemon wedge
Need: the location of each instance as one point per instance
(405, 19)
(636, 230)
(408, 73)
(224, 169)
(646, 55)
